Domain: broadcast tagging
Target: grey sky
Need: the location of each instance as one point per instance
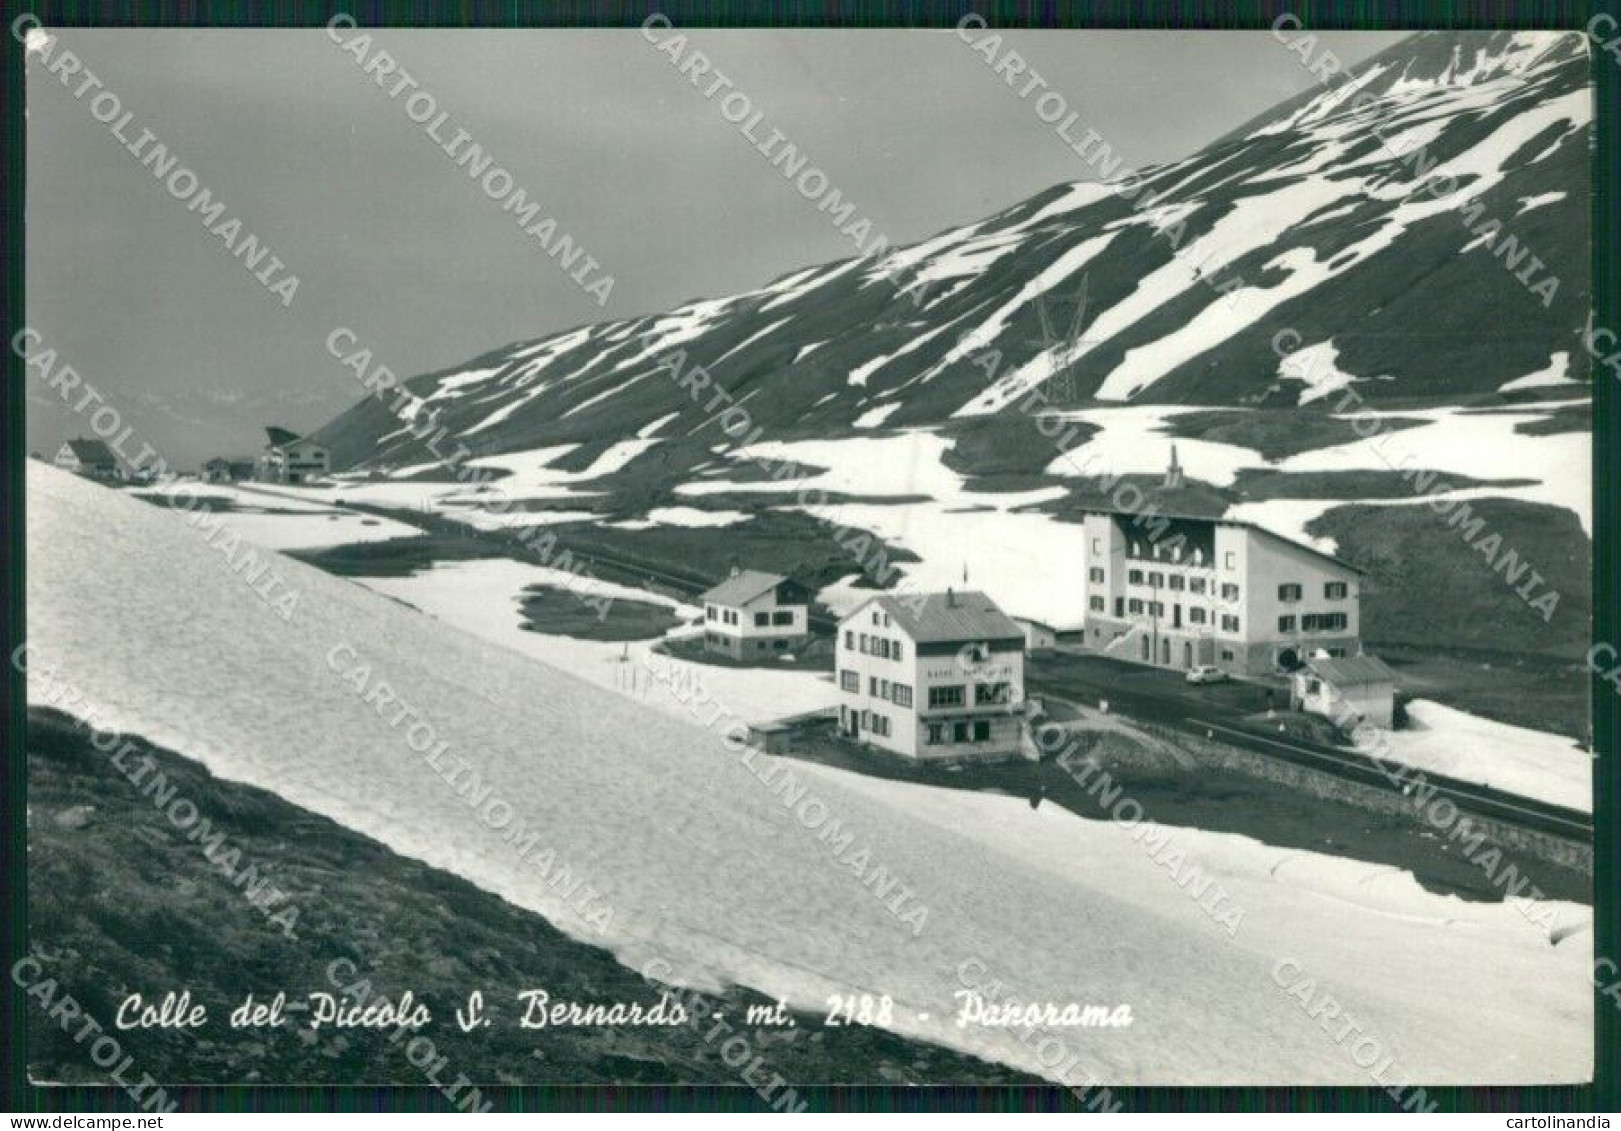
(390, 238)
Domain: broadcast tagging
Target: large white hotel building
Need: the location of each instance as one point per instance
(1182, 592)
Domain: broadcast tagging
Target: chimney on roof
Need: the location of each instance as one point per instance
(734, 571)
(1173, 474)
(951, 598)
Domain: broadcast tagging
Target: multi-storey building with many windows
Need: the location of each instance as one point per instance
(936, 677)
(1182, 592)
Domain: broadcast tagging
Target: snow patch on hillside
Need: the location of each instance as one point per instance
(1453, 743)
(706, 867)
(1316, 367)
(1557, 372)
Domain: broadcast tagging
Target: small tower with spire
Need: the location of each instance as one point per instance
(1173, 473)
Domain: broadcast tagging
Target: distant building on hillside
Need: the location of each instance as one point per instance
(1179, 592)
(1036, 634)
(936, 677)
(753, 614)
(221, 470)
(291, 458)
(90, 458)
(1358, 687)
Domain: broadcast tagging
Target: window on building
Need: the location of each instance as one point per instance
(1229, 623)
(1096, 604)
(895, 650)
(850, 681)
(779, 645)
(982, 731)
(1286, 624)
(1229, 592)
(1196, 616)
(948, 695)
(1095, 573)
(849, 639)
(1156, 579)
(991, 693)
(1334, 589)
(875, 619)
(1135, 576)
(901, 693)
(937, 734)
(761, 620)
(709, 612)
(959, 732)
(1289, 592)
(1323, 622)
(1156, 608)
(1227, 653)
(1134, 606)
(1196, 585)
(886, 620)
(782, 616)
(1178, 582)
(880, 725)
(1230, 560)
(866, 648)
(1097, 546)
(872, 686)
(866, 720)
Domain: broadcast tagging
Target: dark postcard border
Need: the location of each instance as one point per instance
(1603, 1095)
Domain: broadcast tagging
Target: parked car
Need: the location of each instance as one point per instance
(1205, 673)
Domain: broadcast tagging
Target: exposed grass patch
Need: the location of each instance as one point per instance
(816, 655)
(396, 557)
(1009, 443)
(1427, 585)
(1258, 484)
(1274, 433)
(1576, 417)
(558, 612)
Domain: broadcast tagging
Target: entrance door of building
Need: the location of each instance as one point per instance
(1187, 653)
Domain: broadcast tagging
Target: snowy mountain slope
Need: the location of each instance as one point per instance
(703, 864)
(1305, 219)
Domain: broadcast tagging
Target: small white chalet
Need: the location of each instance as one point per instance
(90, 458)
(291, 458)
(752, 615)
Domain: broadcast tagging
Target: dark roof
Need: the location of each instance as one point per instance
(280, 436)
(937, 618)
(743, 587)
(218, 461)
(1245, 523)
(1348, 670)
(92, 451)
